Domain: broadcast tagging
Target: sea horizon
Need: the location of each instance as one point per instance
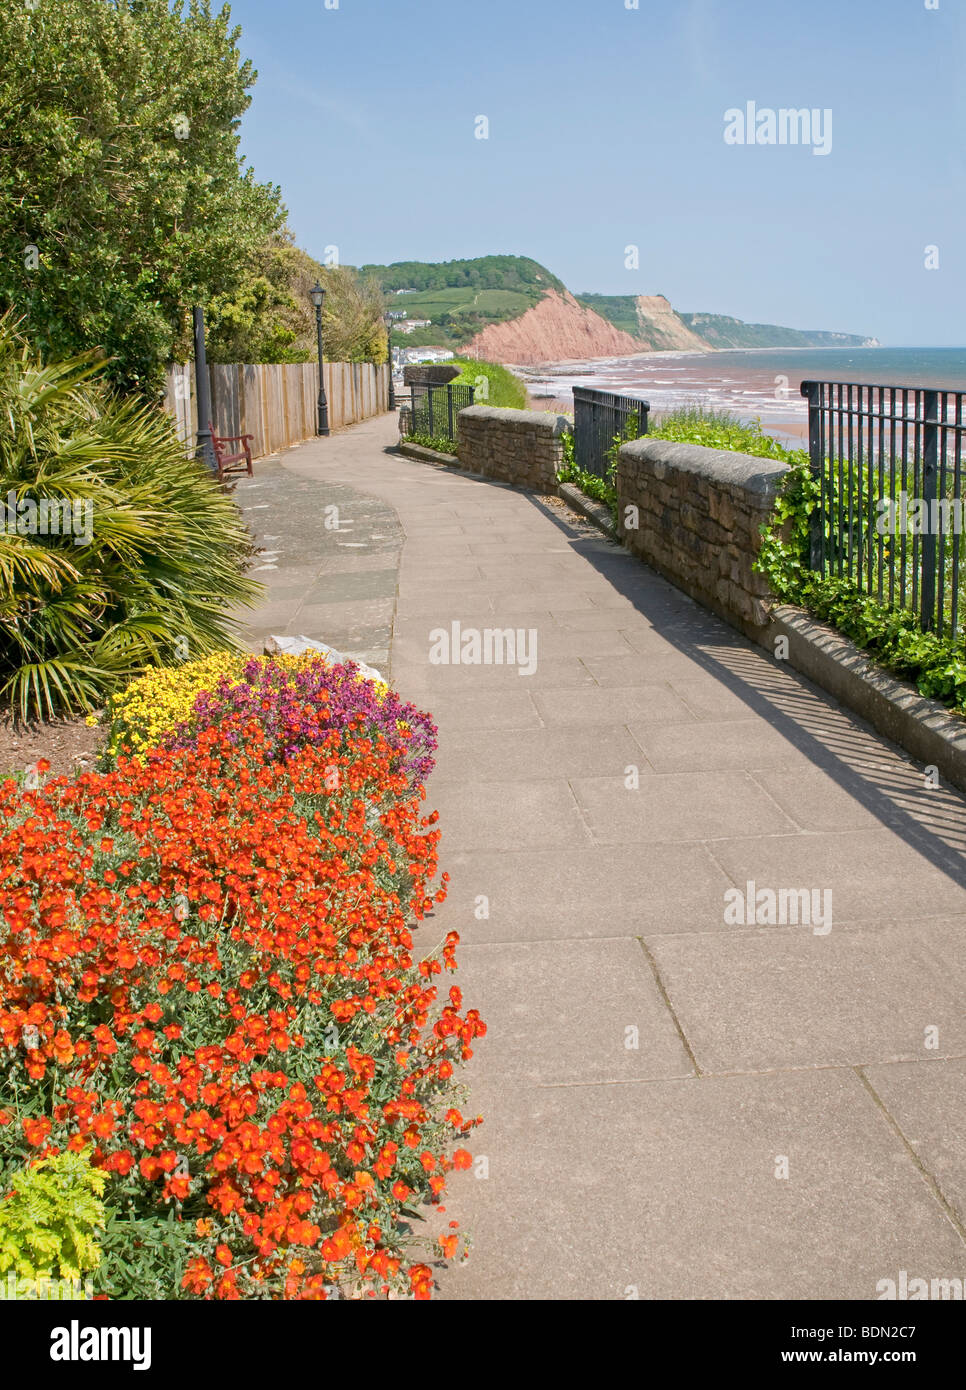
(752, 383)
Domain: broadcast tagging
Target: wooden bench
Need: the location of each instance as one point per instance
(221, 442)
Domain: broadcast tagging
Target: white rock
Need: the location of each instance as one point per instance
(298, 646)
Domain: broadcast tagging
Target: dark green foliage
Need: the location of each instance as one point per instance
(481, 273)
(270, 318)
(935, 665)
(119, 163)
(155, 564)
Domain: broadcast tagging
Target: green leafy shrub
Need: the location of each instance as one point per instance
(689, 424)
(718, 429)
(503, 390)
(146, 554)
(935, 665)
(142, 1256)
(600, 489)
(439, 442)
(50, 1219)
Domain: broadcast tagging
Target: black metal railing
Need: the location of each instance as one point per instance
(888, 463)
(600, 417)
(433, 408)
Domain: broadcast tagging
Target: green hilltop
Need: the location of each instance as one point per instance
(723, 332)
(463, 297)
(717, 330)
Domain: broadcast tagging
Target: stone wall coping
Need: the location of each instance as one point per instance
(759, 476)
(544, 420)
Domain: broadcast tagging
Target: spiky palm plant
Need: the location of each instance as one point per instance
(160, 555)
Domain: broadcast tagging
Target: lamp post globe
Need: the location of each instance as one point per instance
(317, 296)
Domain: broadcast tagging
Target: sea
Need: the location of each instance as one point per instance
(754, 383)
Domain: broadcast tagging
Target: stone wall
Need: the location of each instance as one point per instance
(429, 374)
(523, 447)
(698, 521)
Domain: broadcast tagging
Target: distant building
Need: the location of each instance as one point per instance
(410, 325)
(427, 354)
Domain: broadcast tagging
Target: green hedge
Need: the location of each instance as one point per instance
(893, 637)
(503, 389)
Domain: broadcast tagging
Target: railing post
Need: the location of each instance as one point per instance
(449, 408)
(930, 493)
(816, 455)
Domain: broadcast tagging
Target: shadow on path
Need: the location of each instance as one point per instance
(881, 777)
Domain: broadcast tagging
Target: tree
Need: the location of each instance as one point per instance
(123, 200)
(271, 319)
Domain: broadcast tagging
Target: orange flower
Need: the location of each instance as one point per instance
(301, 900)
(197, 1276)
(36, 1131)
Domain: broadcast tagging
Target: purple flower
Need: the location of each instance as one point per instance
(277, 697)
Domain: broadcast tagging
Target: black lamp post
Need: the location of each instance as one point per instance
(392, 389)
(317, 295)
(205, 449)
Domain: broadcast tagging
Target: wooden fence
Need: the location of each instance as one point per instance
(276, 402)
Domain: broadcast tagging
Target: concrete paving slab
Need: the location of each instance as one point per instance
(644, 704)
(927, 1100)
(658, 667)
(478, 710)
(818, 800)
(705, 746)
(785, 997)
(668, 1190)
(509, 815)
(579, 892)
(480, 755)
(874, 875)
(570, 1012)
(676, 806)
(550, 674)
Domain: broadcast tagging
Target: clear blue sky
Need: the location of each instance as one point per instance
(607, 129)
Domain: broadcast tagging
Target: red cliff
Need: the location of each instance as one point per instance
(554, 330)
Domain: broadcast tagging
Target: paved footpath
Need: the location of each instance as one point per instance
(675, 1107)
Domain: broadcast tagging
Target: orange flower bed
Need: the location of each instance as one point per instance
(207, 979)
